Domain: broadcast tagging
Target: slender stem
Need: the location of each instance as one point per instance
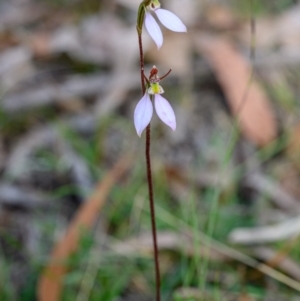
(141, 62)
(152, 213)
(149, 177)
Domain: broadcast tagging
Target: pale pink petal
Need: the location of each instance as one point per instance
(165, 111)
(154, 30)
(143, 114)
(170, 20)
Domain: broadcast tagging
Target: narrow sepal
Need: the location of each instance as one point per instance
(165, 111)
(153, 30)
(170, 20)
(143, 114)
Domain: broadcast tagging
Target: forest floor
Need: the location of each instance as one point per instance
(74, 211)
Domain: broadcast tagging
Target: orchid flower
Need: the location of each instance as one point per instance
(167, 18)
(144, 109)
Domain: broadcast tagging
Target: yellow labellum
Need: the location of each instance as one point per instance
(155, 88)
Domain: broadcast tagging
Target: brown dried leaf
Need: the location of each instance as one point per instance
(246, 99)
(50, 284)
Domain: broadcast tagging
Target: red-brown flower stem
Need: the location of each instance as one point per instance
(141, 62)
(149, 177)
(152, 213)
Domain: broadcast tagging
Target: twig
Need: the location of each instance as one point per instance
(42, 137)
(267, 234)
(12, 195)
(78, 86)
(287, 265)
(278, 196)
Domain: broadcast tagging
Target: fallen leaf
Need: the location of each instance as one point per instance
(245, 97)
(50, 284)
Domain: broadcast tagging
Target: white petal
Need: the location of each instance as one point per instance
(170, 20)
(165, 111)
(143, 114)
(154, 30)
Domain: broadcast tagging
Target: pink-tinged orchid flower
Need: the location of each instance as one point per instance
(144, 109)
(167, 18)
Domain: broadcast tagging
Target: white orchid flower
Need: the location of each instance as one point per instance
(167, 18)
(144, 109)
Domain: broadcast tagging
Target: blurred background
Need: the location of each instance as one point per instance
(74, 213)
